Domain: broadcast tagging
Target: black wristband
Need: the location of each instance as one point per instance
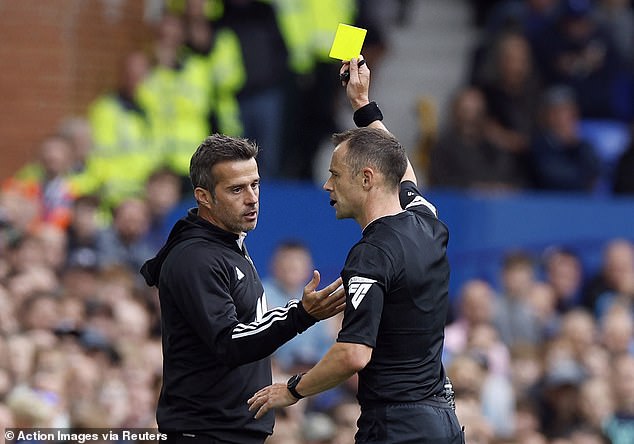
(367, 114)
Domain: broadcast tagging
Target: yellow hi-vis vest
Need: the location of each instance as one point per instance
(177, 103)
(295, 20)
(123, 154)
(327, 14)
(228, 76)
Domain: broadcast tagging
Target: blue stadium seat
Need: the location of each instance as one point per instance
(609, 138)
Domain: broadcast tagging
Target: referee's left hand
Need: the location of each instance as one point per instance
(273, 396)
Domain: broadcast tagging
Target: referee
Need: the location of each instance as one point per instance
(396, 282)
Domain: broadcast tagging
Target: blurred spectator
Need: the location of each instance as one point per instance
(6, 417)
(472, 379)
(620, 428)
(39, 311)
(83, 232)
(345, 415)
(464, 156)
(8, 325)
(163, 191)
(124, 154)
(265, 58)
(287, 429)
(543, 303)
(577, 52)
(579, 331)
(317, 428)
(559, 395)
(597, 361)
(476, 307)
(25, 252)
(563, 271)
(217, 51)
(527, 430)
(46, 181)
(291, 269)
(615, 277)
(125, 243)
(481, 9)
(623, 179)
(465, 373)
(497, 396)
(561, 160)
(597, 402)
(77, 130)
(530, 17)
(617, 18)
(54, 246)
(28, 409)
(514, 317)
(19, 211)
(511, 89)
(176, 97)
(526, 372)
(313, 94)
(50, 381)
(617, 330)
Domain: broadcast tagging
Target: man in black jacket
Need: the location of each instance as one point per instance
(396, 280)
(217, 329)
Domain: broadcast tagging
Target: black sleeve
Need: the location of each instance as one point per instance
(365, 282)
(202, 287)
(412, 200)
(260, 338)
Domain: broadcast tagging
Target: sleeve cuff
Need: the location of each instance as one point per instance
(304, 320)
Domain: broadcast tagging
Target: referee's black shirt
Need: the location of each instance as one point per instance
(396, 280)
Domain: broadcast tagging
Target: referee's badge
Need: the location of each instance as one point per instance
(358, 287)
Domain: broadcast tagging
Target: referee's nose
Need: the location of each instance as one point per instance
(328, 184)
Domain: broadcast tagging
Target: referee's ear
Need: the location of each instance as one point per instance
(368, 178)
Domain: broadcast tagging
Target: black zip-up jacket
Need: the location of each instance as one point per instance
(217, 333)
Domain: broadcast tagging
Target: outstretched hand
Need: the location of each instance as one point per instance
(324, 303)
(358, 84)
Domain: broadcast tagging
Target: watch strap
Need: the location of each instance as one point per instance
(291, 385)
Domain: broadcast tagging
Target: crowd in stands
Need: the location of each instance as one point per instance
(547, 358)
(550, 83)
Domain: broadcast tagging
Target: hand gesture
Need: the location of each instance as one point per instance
(358, 83)
(324, 303)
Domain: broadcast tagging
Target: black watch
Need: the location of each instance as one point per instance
(291, 385)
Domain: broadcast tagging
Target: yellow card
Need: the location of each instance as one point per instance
(348, 42)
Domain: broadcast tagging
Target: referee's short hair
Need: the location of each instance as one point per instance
(375, 148)
(215, 149)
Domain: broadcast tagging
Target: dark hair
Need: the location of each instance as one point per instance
(517, 259)
(292, 244)
(376, 148)
(215, 149)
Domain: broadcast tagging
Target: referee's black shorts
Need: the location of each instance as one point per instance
(428, 422)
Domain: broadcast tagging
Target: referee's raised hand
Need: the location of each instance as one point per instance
(324, 303)
(358, 84)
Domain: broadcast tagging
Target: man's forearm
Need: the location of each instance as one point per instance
(341, 362)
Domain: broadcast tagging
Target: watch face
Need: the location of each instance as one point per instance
(294, 380)
(292, 383)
